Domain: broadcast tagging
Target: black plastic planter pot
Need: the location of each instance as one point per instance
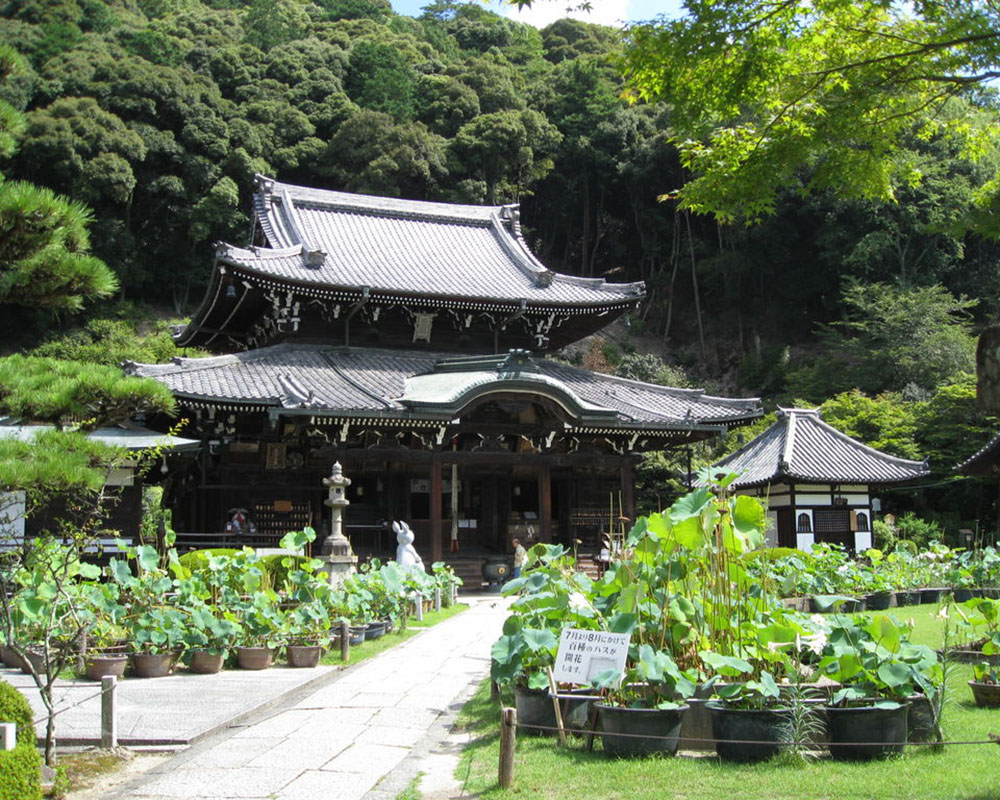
(908, 597)
(627, 732)
(357, 635)
(878, 601)
(537, 717)
(866, 733)
(746, 735)
(374, 630)
(932, 594)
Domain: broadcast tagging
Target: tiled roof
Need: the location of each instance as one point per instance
(396, 383)
(984, 461)
(800, 446)
(335, 239)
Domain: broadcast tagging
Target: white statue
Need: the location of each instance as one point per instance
(406, 554)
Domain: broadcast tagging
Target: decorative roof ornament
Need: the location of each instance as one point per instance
(315, 258)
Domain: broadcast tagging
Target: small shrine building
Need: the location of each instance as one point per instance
(407, 340)
(817, 482)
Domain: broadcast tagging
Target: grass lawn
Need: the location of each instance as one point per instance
(367, 650)
(543, 770)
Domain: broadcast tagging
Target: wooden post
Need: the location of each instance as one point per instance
(508, 741)
(626, 504)
(436, 522)
(554, 691)
(454, 594)
(345, 641)
(437, 598)
(420, 608)
(109, 718)
(545, 502)
(591, 726)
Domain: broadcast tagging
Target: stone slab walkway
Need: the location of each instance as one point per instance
(343, 738)
(176, 710)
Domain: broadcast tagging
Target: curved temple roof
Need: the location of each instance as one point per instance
(342, 240)
(800, 446)
(409, 385)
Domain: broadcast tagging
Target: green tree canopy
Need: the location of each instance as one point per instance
(68, 393)
(758, 90)
(896, 337)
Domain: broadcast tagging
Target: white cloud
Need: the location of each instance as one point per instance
(545, 12)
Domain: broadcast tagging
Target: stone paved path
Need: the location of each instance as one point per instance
(341, 740)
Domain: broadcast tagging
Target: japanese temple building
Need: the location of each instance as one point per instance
(407, 341)
(817, 481)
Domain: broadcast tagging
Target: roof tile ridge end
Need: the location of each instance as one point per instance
(517, 249)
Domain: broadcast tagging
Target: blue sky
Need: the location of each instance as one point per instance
(605, 12)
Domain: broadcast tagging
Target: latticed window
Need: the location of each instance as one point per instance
(862, 521)
(804, 524)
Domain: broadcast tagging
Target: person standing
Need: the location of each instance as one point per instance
(520, 557)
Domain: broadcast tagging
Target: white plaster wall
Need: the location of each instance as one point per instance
(12, 508)
(805, 541)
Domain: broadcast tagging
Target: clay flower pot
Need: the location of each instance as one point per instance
(254, 657)
(204, 662)
(104, 665)
(152, 665)
(986, 695)
(303, 655)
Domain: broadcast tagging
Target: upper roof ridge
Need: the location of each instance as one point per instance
(395, 206)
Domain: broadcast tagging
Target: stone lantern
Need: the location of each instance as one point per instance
(336, 552)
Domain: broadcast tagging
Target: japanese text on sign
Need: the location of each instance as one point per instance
(584, 654)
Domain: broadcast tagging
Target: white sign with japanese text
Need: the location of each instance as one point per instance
(584, 654)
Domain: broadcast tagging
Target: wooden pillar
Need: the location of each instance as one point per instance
(545, 502)
(501, 537)
(436, 533)
(628, 493)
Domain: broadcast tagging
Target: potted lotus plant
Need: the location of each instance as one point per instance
(985, 685)
(157, 636)
(878, 671)
(261, 633)
(210, 635)
(642, 708)
(306, 630)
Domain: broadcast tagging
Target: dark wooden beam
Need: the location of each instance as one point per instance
(628, 495)
(436, 533)
(545, 501)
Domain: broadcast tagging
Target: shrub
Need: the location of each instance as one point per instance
(14, 708)
(275, 566)
(19, 768)
(198, 559)
(20, 774)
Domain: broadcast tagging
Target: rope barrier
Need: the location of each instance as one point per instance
(63, 709)
(587, 732)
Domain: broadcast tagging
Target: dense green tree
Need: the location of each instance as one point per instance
(370, 153)
(381, 79)
(272, 22)
(44, 259)
(506, 149)
(76, 147)
(896, 337)
(886, 422)
(760, 89)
